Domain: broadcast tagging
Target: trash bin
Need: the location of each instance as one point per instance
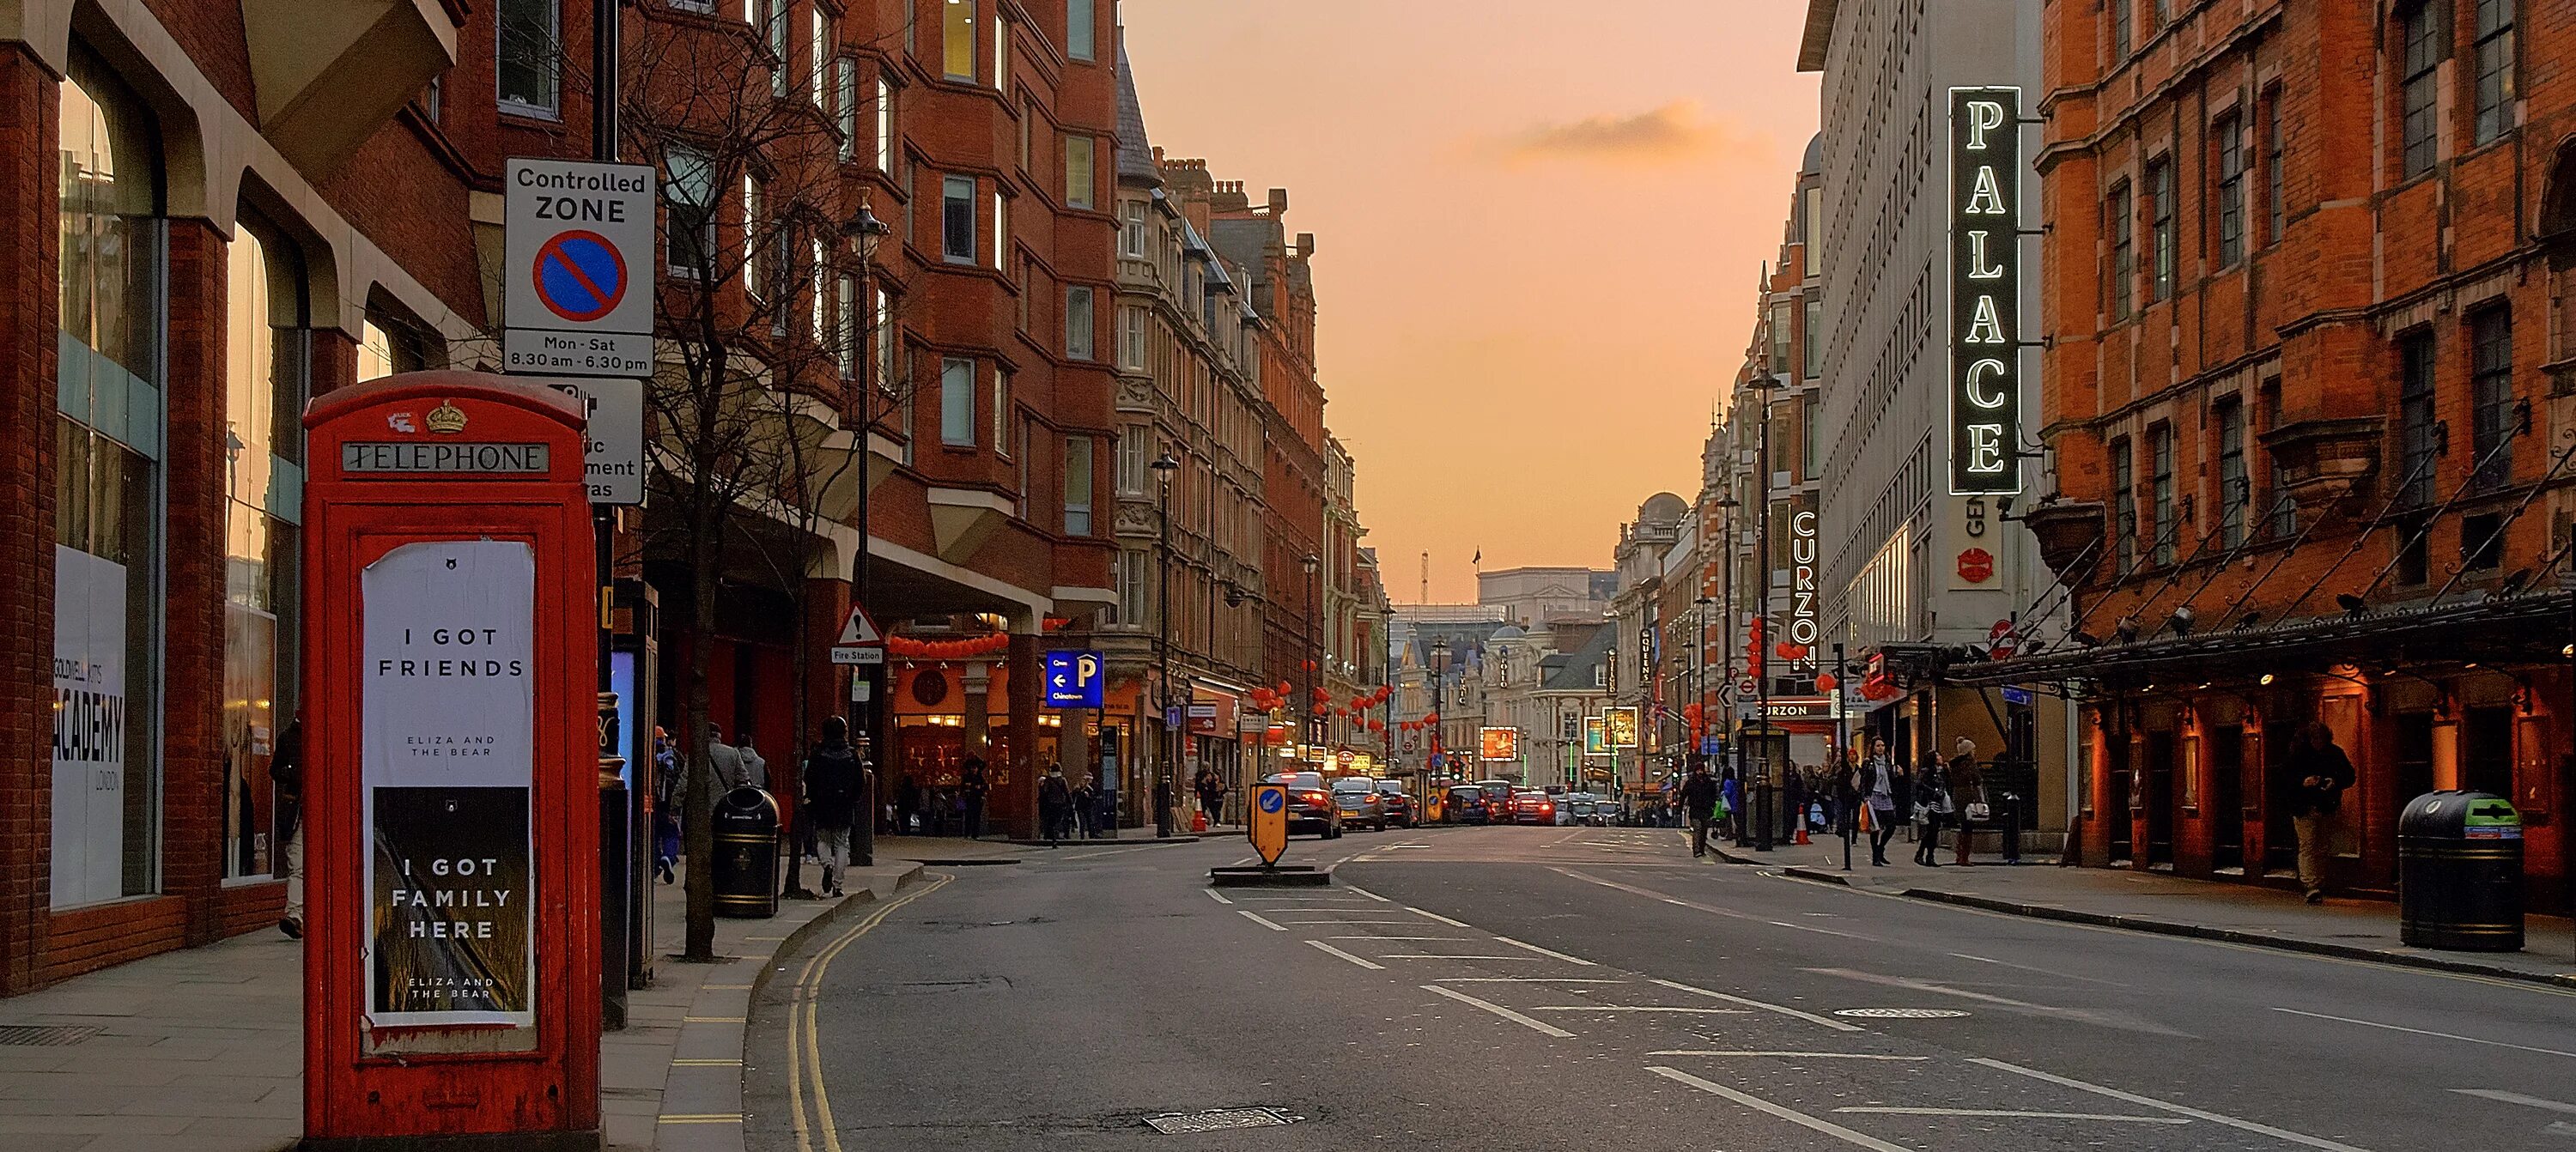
(2459, 872)
(746, 863)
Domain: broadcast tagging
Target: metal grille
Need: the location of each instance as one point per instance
(39, 1036)
(1220, 1120)
(1901, 1013)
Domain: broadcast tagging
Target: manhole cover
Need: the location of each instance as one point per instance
(1220, 1120)
(38, 1036)
(1901, 1013)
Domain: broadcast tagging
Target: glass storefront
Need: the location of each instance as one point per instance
(107, 488)
(267, 349)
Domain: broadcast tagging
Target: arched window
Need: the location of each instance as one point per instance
(107, 448)
(268, 373)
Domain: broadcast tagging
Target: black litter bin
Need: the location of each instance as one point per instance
(746, 863)
(2459, 872)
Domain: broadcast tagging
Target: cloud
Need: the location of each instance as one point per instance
(1677, 132)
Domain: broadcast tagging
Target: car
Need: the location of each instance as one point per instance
(1498, 800)
(1310, 805)
(1531, 806)
(1579, 810)
(1465, 804)
(1399, 807)
(1358, 799)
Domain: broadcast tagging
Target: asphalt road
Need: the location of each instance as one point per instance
(1558, 988)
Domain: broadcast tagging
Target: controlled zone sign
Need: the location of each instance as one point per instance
(859, 642)
(1074, 679)
(579, 268)
(1269, 826)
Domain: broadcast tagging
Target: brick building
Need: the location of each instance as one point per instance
(2305, 298)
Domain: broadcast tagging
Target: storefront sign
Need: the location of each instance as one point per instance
(1985, 291)
(448, 698)
(89, 728)
(1801, 708)
(1802, 588)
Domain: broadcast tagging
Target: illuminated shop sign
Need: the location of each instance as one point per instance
(1985, 291)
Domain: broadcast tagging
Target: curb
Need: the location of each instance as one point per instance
(2239, 936)
(1817, 875)
(802, 933)
(1183, 838)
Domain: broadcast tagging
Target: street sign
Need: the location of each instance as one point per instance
(578, 268)
(2019, 696)
(1268, 828)
(1074, 679)
(859, 642)
(1345, 759)
(615, 437)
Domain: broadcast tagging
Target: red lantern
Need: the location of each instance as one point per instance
(1827, 682)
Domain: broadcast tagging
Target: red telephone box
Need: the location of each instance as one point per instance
(451, 819)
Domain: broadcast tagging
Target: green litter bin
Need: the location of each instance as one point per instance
(2459, 872)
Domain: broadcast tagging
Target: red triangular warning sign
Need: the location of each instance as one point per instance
(859, 631)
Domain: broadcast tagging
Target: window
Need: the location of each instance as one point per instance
(1078, 323)
(957, 402)
(2495, 68)
(2276, 201)
(1001, 410)
(266, 353)
(2163, 529)
(2160, 216)
(1812, 338)
(781, 62)
(1134, 447)
(1811, 440)
(1131, 339)
(782, 275)
(1001, 233)
(1781, 336)
(2124, 505)
(2163, 12)
(957, 38)
(2418, 440)
(845, 325)
(2482, 542)
(2414, 558)
(1131, 241)
(845, 107)
(2123, 15)
(2491, 396)
(2233, 486)
(1020, 471)
(527, 65)
(957, 218)
(689, 191)
(1078, 175)
(1081, 31)
(2423, 41)
(1077, 486)
(820, 52)
(881, 337)
(1133, 569)
(2230, 131)
(753, 194)
(885, 125)
(820, 270)
(2122, 267)
(2284, 511)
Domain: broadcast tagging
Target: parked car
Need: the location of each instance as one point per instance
(1465, 804)
(1310, 805)
(1357, 798)
(1531, 806)
(1399, 806)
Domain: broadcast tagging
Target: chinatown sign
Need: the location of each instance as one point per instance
(1985, 291)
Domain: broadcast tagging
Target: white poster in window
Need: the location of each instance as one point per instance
(448, 700)
(89, 728)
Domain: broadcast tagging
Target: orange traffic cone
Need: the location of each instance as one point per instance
(1198, 821)
(1802, 833)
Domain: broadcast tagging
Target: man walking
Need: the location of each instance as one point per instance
(1699, 802)
(2319, 772)
(1086, 805)
(1882, 790)
(286, 772)
(1055, 799)
(1211, 790)
(831, 797)
(970, 796)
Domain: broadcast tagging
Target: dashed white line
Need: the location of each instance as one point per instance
(1526, 980)
(1784, 1055)
(2177, 1109)
(1371, 966)
(1505, 1013)
(1784, 1010)
(1217, 896)
(2517, 1098)
(1436, 916)
(1255, 917)
(2007, 1114)
(1548, 952)
(1641, 1008)
(1346, 922)
(1450, 939)
(1372, 895)
(1792, 1115)
(1447, 956)
(2423, 1032)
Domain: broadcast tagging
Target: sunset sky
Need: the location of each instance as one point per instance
(1538, 236)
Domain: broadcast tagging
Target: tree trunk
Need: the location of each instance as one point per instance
(698, 811)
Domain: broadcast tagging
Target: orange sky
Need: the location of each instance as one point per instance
(1537, 238)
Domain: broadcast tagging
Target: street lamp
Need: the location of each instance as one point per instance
(1164, 466)
(864, 230)
(1762, 573)
(1699, 669)
(1306, 725)
(1726, 506)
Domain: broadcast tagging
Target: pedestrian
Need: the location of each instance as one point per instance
(755, 769)
(1699, 797)
(1211, 790)
(1882, 789)
(2319, 772)
(832, 787)
(286, 772)
(1931, 811)
(1055, 802)
(971, 788)
(1731, 790)
(907, 806)
(725, 759)
(1966, 782)
(1086, 808)
(666, 808)
(1846, 815)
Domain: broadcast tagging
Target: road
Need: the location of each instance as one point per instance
(1556, 988)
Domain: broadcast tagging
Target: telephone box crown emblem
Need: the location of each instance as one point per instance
(447, 417)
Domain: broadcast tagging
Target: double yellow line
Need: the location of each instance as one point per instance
(804, 1055)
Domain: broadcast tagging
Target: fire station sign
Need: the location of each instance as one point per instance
(578, 268)
(1985, 291)
(448, 692)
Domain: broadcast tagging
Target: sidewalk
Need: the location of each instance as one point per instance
(2357, 929)
(203, 1049)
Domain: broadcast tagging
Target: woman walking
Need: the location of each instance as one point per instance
(1931, 811)
(1885, 791)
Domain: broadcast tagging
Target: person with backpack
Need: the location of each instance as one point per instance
(832, 786)
(1086, 808)
(1699, 800)
(1055, 802)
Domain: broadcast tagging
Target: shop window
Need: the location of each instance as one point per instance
(267, 352)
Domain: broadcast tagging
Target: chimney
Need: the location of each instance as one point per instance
(1278, 201)
(1305, 243)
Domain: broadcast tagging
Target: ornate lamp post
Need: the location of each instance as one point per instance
(1163, 793)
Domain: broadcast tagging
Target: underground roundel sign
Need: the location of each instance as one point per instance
(1976, 565)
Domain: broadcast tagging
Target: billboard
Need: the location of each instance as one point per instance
(1596, 737)
(1621, 724)
(1501, 743)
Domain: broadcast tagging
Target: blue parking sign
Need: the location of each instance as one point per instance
(1074, 678)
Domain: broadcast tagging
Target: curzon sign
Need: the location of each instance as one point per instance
(1985, 291)
(1802, 590)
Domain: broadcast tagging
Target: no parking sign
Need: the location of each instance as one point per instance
(578, 268)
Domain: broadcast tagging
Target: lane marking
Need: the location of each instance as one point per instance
(1499, 1010)
(1255, 917)
(1244, 861)
(1217, 896)
(2177, 1109)
(1711, 909)
(1526, 980)
(1548, 952)
(1108, 852)
(1373, 967)
(1792, 1115)
(1641, 1008)
(1928, 986)
(2423, 1032)
(1449, 956)
(1782, 1009)
(1784, 1055)
(1372, 895)
(1347, 923)
(2012, 1115)
(1446, 939)
(1437, 916)
(804, 1046)
(2502, 1097)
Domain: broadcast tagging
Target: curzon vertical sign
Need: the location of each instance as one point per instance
(1985, 291)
